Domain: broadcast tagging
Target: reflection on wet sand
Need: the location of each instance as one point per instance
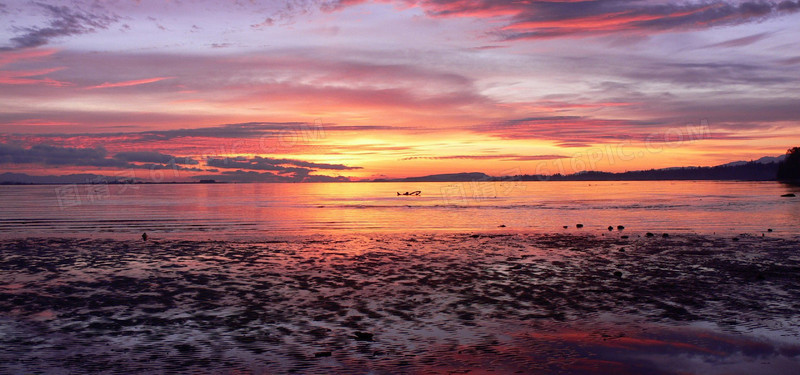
(440, 303)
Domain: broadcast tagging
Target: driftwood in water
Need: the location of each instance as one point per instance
(416, 193)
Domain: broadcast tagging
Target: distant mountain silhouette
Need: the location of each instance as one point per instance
(764, 160)
(763, 169)
(751, 171)
(447, 177)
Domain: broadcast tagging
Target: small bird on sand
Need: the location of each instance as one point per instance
(144, 236)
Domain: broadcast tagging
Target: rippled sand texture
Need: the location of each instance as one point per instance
(440, 303)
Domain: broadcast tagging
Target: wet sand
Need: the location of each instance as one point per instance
(413, 303)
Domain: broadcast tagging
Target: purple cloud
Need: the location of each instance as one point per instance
(64, 21)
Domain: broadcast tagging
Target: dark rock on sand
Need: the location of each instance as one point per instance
(610, 228)
(624, 237)
(363, 336)
(620, 227)
(578, 225)
(185, 348)
(769, 230)
(665, 235)
(790, 195)
(566, 226)
(618, 274)
(322, 354)
(649, 234)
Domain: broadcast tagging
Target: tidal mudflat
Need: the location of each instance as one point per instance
(402, 303)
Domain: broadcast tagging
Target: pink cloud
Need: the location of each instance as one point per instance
(137, 82)
(10, 77)
(12, 56)
(27, 77)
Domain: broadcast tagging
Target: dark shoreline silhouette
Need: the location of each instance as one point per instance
(786, 171)
(751, 171)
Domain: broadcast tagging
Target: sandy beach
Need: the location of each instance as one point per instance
(402, 303)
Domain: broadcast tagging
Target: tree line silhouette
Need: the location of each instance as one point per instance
(789, 168)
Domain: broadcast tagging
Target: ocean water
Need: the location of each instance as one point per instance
(240, 211)
(436, 297)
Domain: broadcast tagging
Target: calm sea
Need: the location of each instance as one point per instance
(232, 211)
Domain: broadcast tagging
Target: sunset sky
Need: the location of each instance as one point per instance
(323, 90)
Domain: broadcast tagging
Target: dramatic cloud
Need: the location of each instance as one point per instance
(285, 170)
(250, 176)
(52, 155)
(548, 19)
(153, 157)
(266, 133)
(64, 21)
(245, 130)
(229, 139)
(572, 131)
(551, 19)
(270, 164)
(48, 155)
